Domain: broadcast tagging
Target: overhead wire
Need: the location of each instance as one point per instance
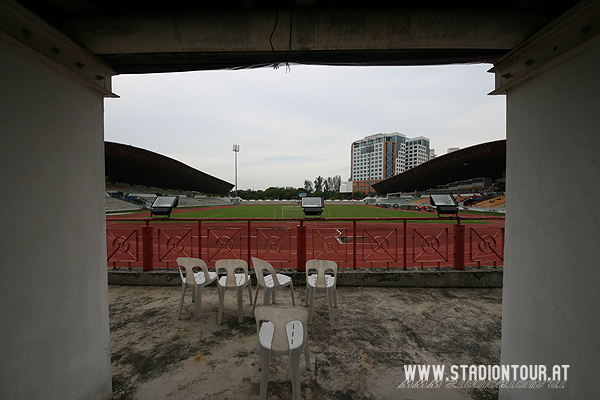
(288, 68)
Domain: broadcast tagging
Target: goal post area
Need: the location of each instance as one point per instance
(292, 212)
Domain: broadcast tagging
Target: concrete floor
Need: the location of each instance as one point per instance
(377, 332)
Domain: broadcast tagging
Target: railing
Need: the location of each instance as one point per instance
(351, 242)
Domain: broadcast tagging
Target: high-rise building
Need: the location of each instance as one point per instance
(383, 155)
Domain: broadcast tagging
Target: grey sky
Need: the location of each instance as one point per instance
(296, 125)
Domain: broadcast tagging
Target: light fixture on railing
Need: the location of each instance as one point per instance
(163, 205)
(444, 204)
(313, 205)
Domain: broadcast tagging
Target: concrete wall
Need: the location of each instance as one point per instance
(470, 277)
(54, 332)
(551, 296)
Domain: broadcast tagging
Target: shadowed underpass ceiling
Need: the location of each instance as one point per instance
(180, 35)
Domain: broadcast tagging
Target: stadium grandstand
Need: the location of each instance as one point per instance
(134, 177)
(476, 175)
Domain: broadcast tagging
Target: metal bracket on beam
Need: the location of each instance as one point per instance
(18, 26)
(549, 47)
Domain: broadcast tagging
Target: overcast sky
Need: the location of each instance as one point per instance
(300, 124)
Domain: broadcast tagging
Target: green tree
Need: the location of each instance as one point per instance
(330, 185)
(337, 183)
(319, 184)
(308, 186)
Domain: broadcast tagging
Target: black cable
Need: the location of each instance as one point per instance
(291, 19)
(275, 62)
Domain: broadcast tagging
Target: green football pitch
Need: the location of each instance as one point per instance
(295, 211)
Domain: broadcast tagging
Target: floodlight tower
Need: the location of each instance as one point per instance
(236, 149)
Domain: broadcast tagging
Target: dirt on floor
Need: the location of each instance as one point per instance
(377, 332)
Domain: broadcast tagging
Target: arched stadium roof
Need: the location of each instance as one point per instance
(135, 166)
(482, 160)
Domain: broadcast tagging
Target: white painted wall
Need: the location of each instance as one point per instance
(551, 297)
(54, 335)
(346, 187)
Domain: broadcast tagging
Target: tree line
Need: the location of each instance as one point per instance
(328, 188)
(324, 185)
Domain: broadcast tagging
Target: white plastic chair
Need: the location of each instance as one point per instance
(282, 330)
(270, 282)
(232, 279)
(197, 280)
(324, 278)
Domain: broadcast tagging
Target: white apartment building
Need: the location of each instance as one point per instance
(383, 155)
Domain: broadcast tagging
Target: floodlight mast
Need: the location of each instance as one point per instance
(236, 149)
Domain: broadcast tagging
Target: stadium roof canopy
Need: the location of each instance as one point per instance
(135, 166)
(482, 160)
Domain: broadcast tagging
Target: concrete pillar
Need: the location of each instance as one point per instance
(54, 335)
(551, 296)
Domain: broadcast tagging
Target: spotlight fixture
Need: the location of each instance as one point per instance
(163, 205)
(444, 204)
(313, 206)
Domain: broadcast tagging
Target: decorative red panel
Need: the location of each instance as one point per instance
(487, 244)
(174, 243)
(329, 245)
(274, 244)
(224, 243)
(430, 245)
(380, 245)
(122, 244)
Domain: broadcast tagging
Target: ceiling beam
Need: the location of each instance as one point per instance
(376, 36)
